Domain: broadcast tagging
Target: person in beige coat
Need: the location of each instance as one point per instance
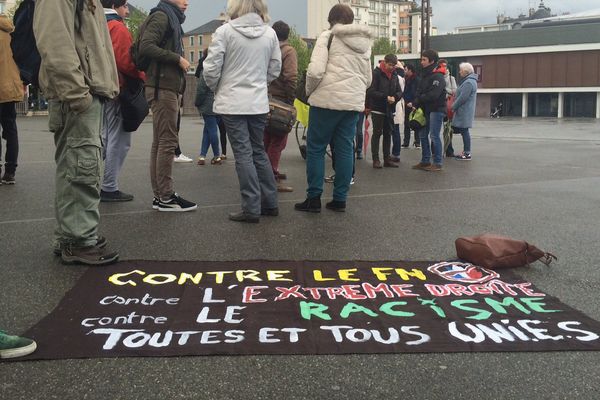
(11, 92)
(337, 79)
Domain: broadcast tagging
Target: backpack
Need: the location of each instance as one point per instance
(495, 251)
(416, 119)
(301, 88)
(143, 63)
(23, 45)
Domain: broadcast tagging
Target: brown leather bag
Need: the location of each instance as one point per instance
(495, 251)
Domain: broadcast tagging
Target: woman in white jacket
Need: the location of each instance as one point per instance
(243, 58)
(337, 79)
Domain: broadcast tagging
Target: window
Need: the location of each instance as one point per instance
(192, 57)
(191, 41)
(199, 40)
(394, 32)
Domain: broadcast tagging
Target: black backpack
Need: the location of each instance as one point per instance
(301, 87)
(143, 63)
(23, 43)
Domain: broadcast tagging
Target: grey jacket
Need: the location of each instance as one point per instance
(243, 59)
(75, 64)
(464, 103)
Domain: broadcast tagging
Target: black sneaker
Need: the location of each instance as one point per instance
(176, 204)
(8, 179)
(155, 203)
(100, 243)
(114, 197)
(335, 205)
(312, 205)
(91, 255)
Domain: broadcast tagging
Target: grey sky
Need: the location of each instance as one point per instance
(447, 14)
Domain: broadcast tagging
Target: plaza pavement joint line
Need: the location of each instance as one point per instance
(360, 196)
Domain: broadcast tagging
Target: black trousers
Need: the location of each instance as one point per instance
(8, 122)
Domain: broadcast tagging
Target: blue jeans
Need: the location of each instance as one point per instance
(396, 141)
(255, 174)
(327, 126)
(466, 135)
(433, 129)
(210, 136)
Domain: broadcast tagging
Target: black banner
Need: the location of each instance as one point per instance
(148, 308)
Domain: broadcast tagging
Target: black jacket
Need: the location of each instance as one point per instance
(380, 89)
(431, 92)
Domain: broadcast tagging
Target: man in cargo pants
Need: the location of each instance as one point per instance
(77, 74)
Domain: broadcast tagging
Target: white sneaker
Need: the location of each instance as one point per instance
(182, 159)
(352, 181)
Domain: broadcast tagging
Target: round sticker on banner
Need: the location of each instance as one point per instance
(457, 271)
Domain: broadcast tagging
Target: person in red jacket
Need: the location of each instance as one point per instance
(116, 141)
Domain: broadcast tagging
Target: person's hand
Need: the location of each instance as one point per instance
(184, 64)
(410, 105)
(391, 99)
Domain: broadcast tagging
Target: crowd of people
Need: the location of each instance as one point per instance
(87, 62)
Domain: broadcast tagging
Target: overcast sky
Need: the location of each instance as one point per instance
(447, 14)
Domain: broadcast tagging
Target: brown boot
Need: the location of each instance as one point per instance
(434, 168)
(281, 188)
(377, 164)
(92, 255)
(388, 163)
(422, 166)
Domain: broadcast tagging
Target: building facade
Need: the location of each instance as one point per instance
(541, 70)
(398, 21)
(199, 39)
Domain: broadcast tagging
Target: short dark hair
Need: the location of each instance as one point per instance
(340, 14)
(113, 3)
(410, 67)
(391, 59)
(282, 30)
(431, 55)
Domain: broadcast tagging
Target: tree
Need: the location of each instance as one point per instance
(302, 50)
(382, 46)
(136, 17)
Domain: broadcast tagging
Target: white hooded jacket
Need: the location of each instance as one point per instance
(243, 59)
(338, 79)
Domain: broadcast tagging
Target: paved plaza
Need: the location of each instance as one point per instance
(533, 179)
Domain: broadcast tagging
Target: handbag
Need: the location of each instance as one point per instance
(449, 104)
(495, 251)
(416, 119)
(134, 106)
(281, 118)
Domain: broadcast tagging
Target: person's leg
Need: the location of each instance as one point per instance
(223, 134)
(425, 146)
(8, 121)
(396, 141)
(165, 111)
(213, 135)
(320, 131)
(239, 138)
(378, 127)
(15, 346)
(117, 143)
(344, 148)
(154, 148)
(264, 171)
(406, 141)
(435, 130)
(276, 146)
(205, 137)
(466, 140)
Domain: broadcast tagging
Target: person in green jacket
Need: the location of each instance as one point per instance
(78, 73)
(161, 43)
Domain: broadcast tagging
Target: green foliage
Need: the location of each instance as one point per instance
(302, 50)
(135, 20)
(382, 46)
